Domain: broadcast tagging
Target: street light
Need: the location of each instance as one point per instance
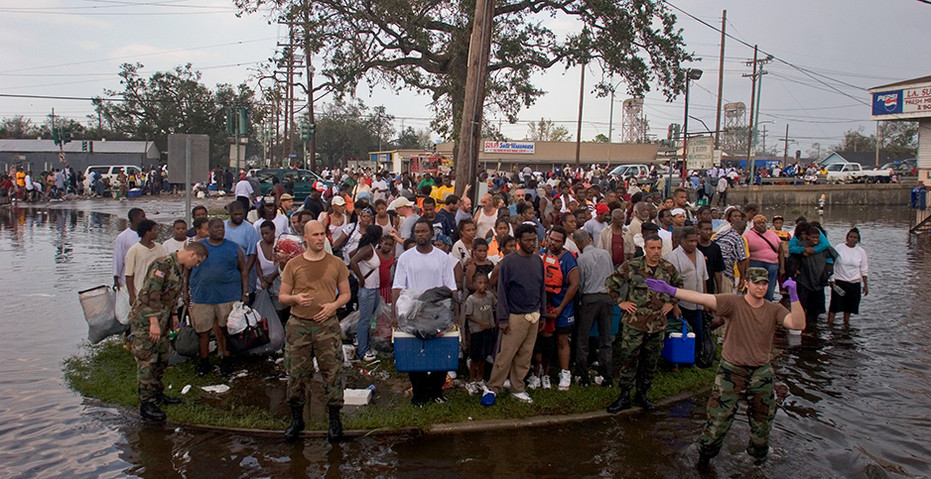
(691, 74)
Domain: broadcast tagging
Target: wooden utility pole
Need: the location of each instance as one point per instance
(578, 128)
(312, 144)
(785, 149)
(470, 131)
(717, 118)
(750, 125)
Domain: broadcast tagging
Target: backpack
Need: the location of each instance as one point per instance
(552, 274)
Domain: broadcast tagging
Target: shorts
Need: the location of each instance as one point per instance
(565, 329)
(482, 345)
(204, 316)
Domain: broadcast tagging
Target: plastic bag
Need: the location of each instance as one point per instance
(186, 342)
(706, 351)
(348, 324)
(236, 321)
(264, 307)
(122, 306)
(426, 315)
(98, 305)
(380, 336)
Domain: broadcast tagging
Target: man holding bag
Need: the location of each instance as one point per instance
(156, 302)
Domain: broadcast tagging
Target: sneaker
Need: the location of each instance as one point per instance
(488, 398)
(369, 356)
(533, 382)
(523, 397)
(507, 384)
(565, 379)
(545, 382)
(472, 388)
(203, 367)
(440, 399)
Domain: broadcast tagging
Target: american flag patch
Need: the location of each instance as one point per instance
(159, 273)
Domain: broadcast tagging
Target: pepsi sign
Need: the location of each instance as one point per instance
(887, 102)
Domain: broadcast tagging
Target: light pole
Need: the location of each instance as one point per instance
(692, 74)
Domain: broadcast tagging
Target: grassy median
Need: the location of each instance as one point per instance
(256, 400)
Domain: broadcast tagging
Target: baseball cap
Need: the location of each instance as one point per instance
(677, 211)
(286, 197)
(755, 275)
(601, 208)
(319, 186)
(400, 202)
(339, 201)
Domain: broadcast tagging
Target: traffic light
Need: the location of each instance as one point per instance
(91, 145)
(676, 128)
(56, 137)
(243, 122)
(669, 132)
(305, 132)
(66, 136)
(310, 128)
(84, 145)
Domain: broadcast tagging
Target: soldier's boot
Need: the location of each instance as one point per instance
(335, 433)
(704, 462)
(643, 387)
(149, 411)
(297, 423)
(163, 399)
(622, 403)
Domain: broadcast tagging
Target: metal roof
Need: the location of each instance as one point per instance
(924, 79)
(75, 146)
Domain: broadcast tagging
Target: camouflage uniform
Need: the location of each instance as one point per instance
(730, 385)
(306, 339)
(158, 297)
(642, 336)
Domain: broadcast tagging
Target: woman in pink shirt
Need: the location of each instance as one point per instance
(764, 251)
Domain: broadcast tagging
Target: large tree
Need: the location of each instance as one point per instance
(175, 101)
(546, 130)
(423, 45)
(350, 130)
(897, 137)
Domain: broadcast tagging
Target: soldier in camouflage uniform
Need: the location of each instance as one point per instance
(745, 371)
(315, 285)
(155, 304)
(644, 323)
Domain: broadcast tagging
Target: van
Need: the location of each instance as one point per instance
(110, 172)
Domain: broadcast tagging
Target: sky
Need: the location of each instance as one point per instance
(827, 54)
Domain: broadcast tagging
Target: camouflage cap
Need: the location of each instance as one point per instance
(755, 275)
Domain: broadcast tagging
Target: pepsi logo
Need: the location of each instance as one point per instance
(889, 100)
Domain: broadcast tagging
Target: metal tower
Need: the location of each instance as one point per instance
(634, 126)
(735, 127)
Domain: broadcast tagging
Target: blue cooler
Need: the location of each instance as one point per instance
(412, 354)
(679, 348)
(134, 193)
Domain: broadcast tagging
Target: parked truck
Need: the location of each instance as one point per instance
(854, 173)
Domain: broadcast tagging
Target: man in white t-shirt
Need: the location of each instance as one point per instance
(141, 256)
(380, 188)
(244, 192)
(178, 238)
(419, 269)
(125, 240)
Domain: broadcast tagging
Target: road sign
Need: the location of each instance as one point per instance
(700, 154)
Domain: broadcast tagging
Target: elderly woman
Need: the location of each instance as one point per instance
(765, 251)
(850, 272)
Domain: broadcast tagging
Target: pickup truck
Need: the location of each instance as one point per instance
(854, 173)
(638, 171)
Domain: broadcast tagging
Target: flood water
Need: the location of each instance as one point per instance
(857, 400)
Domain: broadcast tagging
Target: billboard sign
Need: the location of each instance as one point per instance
(700, 154)
(912, 102)
(523, 147)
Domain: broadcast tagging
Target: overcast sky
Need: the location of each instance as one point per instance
(75, 47)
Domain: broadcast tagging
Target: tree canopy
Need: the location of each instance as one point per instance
(423, 45)
(897, 137)
(350, 130)
(546, 130)
(175, 102)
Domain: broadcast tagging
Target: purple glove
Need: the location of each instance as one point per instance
(661, 286)
(792, 288)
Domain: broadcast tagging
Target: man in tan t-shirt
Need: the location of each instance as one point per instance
(745, 369)
(315, 285)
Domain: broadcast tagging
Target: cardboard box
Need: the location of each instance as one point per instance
(438, 354)
(357, 397)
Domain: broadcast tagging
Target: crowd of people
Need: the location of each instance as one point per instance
(23, 185)
(533, 269)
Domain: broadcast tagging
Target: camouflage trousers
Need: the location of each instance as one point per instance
(733, 383)
(151, 360)
(639, 353)
(308, 339)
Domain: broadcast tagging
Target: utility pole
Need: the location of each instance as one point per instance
(311, 148)
(717, 120)
(578, 128)
(750, 126)
(785, 149)
(879, 142)
(470, 132)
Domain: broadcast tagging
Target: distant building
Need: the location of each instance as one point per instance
(44, 155)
